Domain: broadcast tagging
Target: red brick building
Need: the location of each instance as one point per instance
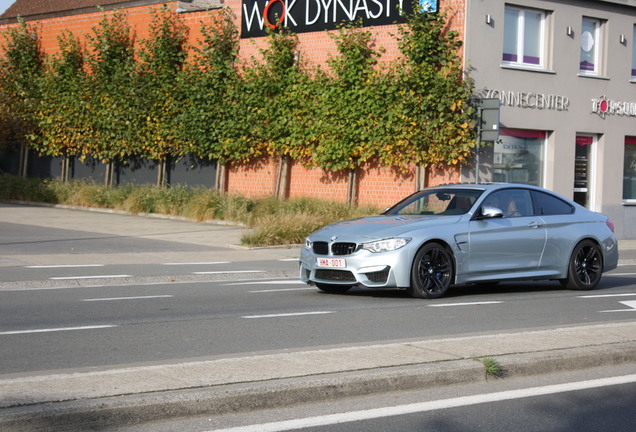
(376, 185)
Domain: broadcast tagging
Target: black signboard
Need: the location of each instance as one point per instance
(301, 16)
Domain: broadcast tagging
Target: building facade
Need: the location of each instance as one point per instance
(563, 73)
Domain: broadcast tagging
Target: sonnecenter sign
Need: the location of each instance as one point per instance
(301, 16)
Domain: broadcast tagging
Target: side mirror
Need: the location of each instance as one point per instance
(489, 213)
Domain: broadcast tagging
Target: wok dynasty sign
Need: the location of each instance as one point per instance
(301, 16)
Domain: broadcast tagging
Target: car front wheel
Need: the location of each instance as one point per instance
(432, 272)
(585, 266)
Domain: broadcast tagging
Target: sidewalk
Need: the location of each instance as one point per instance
(109, 397)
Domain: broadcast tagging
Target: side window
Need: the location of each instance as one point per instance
(524, 37)
(512, 202)
(550, 205)
(590, 47)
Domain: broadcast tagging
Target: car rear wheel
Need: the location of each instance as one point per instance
(432, 272)
(333, 289)
(585, 266)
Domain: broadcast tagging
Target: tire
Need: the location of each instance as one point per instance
(333, 289)
(432, 272)
(585, 267)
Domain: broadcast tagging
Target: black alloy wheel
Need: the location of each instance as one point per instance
(432, 272)
(585, 266)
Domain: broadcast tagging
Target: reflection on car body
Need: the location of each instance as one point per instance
(456, 234)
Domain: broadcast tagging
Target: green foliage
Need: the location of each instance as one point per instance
(432, 102)
(492, 368)
(21, 68)
(114, 94)
(163, 56)
(114, 100)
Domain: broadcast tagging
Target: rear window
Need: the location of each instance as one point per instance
(545, 204)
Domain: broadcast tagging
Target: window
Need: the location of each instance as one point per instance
(512, 202)
(629, 169)
(634, 54)
(523, 37)
(547, 205)
(518, 156)
(590, 46)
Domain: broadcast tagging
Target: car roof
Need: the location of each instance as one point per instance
(484, 186)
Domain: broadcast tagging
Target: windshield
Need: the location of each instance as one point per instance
(437, 202)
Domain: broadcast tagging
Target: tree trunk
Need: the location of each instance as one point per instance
(108, 180)
(352, 187)
(162, 175)
(220, 182)
(282, 178)
(420, 177)
(24, 160)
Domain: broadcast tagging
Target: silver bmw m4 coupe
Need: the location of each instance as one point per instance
(459, 234)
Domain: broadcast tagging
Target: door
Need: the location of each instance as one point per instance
(583, 170)
(512, 244)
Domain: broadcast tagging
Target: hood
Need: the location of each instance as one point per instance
(379, 227)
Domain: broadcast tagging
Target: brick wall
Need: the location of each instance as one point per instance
(376, 185)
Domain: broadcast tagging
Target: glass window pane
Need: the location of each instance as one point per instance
(511, 31)
(589, 44)
(518, 159)
(545, 204)
(629, 171)
(532, 38)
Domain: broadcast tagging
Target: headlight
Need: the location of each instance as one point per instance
(308, 243)
(386, 245)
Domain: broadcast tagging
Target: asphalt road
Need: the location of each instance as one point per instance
(184, 311)
(80, 294)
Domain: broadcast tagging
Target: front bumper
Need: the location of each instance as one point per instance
(372, 270)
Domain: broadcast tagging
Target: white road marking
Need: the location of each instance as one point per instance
(56, 329)
(630, 304)
(127, 298)
(284, 289)
(287, 314)
(196, 263)
(430, 406)
(89, 277)
(229, 272)
(465, 304)
(277, 282)
(63, 266)
(608, 295)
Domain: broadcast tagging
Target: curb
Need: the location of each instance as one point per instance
(117, 411)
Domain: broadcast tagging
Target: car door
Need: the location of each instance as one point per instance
(508, 246)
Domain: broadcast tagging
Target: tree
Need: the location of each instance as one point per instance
(114, 96)
(286, 99)
(64, 117)
(161, 99)
(216, 120)
(348, 110)
(21, 69)
(433, 116)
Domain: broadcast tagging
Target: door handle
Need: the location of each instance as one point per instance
(534, 225)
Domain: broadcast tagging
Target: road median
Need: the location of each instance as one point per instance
(83, 399)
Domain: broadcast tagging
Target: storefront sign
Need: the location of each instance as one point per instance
(603, 106)
(300, 16)
(530, 100)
